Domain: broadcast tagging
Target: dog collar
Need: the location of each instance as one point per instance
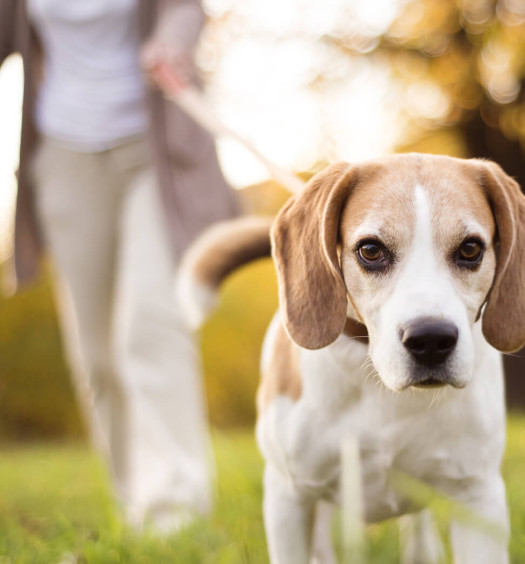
(356, 330)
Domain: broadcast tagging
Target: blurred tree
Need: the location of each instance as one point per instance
(473, 53)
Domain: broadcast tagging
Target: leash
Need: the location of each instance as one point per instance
(192, 101)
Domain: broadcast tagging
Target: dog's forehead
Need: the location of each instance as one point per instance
(458, 203)
(383, 202)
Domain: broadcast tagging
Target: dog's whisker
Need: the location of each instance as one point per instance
(513, 355)
(435, 399)
(367, 363)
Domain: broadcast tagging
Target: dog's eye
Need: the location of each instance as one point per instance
(470, 253)
(470, 250)
(371, 252)
(373, 256)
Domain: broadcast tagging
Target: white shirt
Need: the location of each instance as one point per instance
(93, 92)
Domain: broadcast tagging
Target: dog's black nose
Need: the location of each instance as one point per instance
(429, 340)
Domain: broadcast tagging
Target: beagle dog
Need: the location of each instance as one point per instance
(400, 279)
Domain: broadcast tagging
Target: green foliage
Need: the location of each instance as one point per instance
(36, 399)
(513, 473)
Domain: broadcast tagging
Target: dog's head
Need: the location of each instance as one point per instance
(415, 247)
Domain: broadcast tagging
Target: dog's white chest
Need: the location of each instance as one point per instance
(409, 432)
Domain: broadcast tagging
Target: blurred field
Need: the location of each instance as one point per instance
(55, 507)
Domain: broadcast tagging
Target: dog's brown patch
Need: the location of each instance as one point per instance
(282, 375)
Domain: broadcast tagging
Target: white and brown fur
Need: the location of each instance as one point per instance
(336, 361)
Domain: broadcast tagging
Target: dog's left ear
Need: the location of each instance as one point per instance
(304, 239)
(504, 315)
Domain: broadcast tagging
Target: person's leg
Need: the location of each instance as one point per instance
(159, 360)
(77, 202)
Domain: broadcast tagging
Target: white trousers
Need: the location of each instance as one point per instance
(136, 366)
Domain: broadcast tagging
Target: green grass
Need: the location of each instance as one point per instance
(55, 502)
(55, 506)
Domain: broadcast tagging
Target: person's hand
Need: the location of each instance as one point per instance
(157, 54)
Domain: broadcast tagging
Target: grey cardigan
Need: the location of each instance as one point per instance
(192, 188)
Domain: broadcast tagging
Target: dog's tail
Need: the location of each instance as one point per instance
(220, 250)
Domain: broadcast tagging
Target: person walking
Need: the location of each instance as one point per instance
(115, 182)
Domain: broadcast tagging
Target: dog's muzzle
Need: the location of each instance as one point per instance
(430, 341)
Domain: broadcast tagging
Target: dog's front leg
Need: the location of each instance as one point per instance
(288, 519)
(472, 543)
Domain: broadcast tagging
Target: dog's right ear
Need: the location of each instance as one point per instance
(304, 238)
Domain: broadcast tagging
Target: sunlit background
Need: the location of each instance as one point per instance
(306, 83)
(275, 81)
(309, 82)
(271, 78)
